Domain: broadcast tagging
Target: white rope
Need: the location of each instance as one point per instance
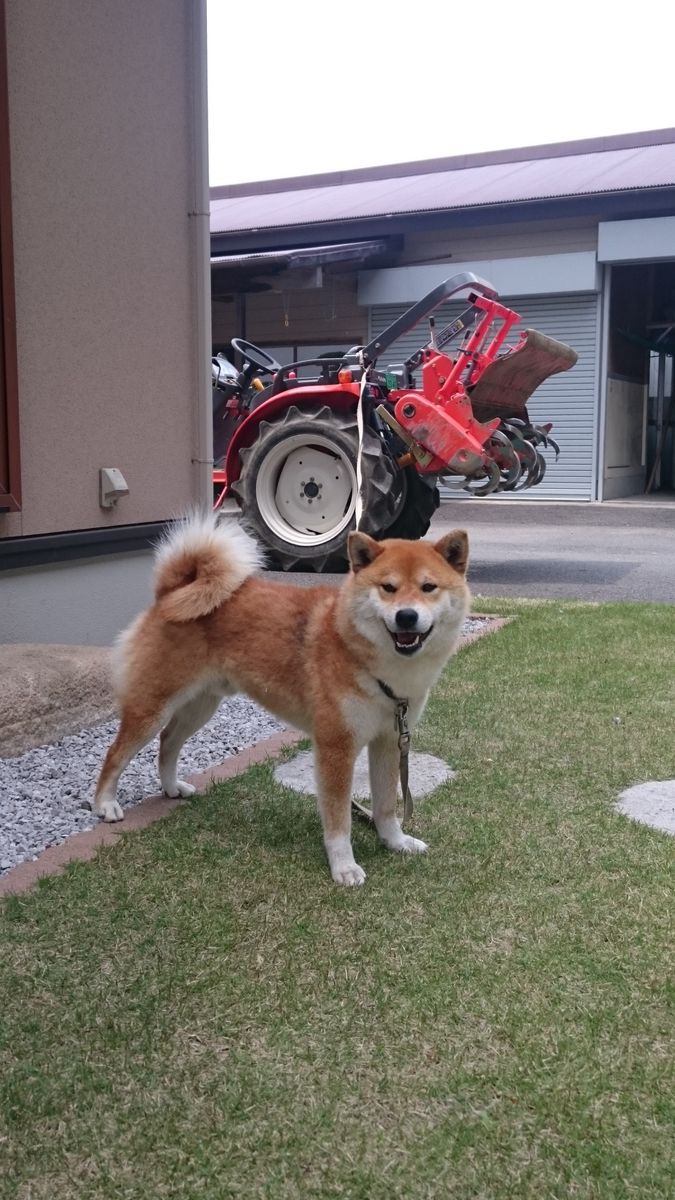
(358, 508)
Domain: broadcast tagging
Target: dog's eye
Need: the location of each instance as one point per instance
(388, 587)
(429, 587)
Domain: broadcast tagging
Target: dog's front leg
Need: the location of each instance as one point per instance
(383, 765)
(334, 760)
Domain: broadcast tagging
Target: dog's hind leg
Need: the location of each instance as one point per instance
(383, 765)
(135, 731)
(334, 759)
(186, 720)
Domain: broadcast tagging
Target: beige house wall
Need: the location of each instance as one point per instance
(102, 102)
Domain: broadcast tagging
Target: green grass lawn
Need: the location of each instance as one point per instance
(202, 1013)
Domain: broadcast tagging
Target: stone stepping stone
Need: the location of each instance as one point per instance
(650, 803)
(426, 774)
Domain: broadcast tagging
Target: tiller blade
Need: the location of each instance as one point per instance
(485, 483)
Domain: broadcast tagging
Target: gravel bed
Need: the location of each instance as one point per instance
(45, 793)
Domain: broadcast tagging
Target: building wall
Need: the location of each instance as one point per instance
(332, 314)
(293, 315)
(624, 449)
(502, 241)
(101, 100)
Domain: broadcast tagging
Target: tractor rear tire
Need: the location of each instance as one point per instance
(422, 498)
(297, 488)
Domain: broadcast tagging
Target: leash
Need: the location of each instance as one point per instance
(358, 505)
(402, 728)
(401, 718)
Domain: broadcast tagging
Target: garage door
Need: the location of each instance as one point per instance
(568, 400)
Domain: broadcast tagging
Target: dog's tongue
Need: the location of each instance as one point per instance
(406, 639)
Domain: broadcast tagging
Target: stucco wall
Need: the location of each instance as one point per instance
(102, 139)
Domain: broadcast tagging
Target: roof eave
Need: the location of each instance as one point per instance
(402, 222)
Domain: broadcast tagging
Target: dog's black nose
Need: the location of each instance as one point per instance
(406, 618)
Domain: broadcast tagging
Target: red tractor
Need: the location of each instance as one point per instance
(292, 448)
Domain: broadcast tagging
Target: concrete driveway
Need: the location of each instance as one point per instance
(613, 551)
(568, 551)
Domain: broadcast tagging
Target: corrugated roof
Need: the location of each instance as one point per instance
(430, 189)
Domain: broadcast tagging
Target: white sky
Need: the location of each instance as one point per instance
(298, 87)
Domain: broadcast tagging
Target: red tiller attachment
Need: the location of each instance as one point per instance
(470, 417)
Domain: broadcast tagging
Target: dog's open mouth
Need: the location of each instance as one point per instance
(409, 643)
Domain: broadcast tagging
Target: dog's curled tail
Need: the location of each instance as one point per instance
(199, 564)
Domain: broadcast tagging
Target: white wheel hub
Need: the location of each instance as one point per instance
(306, 489)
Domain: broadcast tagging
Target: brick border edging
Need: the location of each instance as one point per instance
(83, 847)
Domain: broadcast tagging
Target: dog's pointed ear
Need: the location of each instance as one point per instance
(454, 548)
(362, 550)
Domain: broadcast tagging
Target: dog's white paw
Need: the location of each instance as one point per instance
(180, 788)
(349, 875)
(410, 845)
(109, 810)
(399, 842)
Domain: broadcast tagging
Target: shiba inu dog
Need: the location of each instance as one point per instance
(331, 661)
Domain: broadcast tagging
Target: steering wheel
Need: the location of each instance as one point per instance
(256, 358)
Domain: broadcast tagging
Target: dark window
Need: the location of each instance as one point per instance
(10, 482)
